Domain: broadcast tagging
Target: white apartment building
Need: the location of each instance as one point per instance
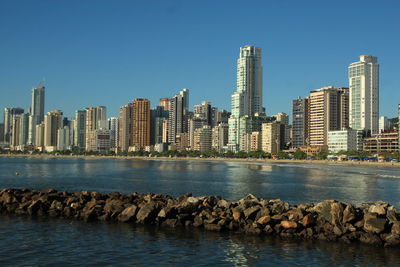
(364, 94)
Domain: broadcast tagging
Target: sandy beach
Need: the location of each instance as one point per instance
(326, 162)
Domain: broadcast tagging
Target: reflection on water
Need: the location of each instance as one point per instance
(291, 182)
(35, 241)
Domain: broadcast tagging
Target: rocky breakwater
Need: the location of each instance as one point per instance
(374, 223)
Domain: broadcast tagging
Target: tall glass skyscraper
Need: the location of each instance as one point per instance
(247, 100)
(37, 111)
(364, 94)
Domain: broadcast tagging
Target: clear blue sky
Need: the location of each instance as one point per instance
(110, 52)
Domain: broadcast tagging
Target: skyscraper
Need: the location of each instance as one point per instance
(178, 115)
(125, 127)
(203, 111)
(113, 127)
(37, 111)
(158, 118)
(165, 103)
(141, 121)
(299, 121)
(53, 121)
(249, 79)
(324, 114)
(80, 129)
(8, 122)
(247, 100)
(96, 119)
(364, 94)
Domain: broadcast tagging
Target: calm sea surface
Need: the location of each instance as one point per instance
(26, 241)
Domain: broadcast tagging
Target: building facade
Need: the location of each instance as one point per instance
(247, 100)
(37, 111)
(141, 123)
(344, 140)
(270, 137)
(96, 119)
(299, 122)
(364, 94)
(53, 121)
(178, 115)
(325, 110)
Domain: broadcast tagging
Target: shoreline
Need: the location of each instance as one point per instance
(243, 160)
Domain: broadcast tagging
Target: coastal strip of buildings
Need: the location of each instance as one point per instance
(334, 119)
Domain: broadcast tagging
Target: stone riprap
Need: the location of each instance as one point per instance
(373, 223)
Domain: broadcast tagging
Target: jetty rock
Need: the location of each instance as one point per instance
(375, 224)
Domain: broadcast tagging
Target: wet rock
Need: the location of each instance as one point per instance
(198, 221)
(278, 206)
(223, 204)
(349, 214)
(378, 209)
(114, 206)
(237, 214)
(396, 228)
(264, 220)
(392, 215)
(250, 213)
(391, 240)
(173, 223)
(308, 220)
(295, 214)
(371, 239)
(147, 213)
(128, 214)
(289, 224)
(34, 207)
(372, 223)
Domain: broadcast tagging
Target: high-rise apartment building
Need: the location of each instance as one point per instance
(203, 139)
(53, 121)
(113, 127)
(247, 100)
(37, 111)
(8, 122)
(178, 115)
(270, 137)
(15, 130)
(249, 79)
(283, 119)
(23, 130)
(204, 111)
(80, 129)
(39, 138)
(1, 133)
(158, 118)
(299, 122)
(96, 119)
(219, 137)
(325, 110)
(165, 103)
(384, 124)
(364, 94)
(141, 121)
(63, 138)
(125, 125)
(196, 122)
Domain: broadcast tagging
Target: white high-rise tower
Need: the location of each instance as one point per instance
(247, 100)
(364, 94)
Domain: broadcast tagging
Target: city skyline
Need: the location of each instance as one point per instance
(302, 50)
